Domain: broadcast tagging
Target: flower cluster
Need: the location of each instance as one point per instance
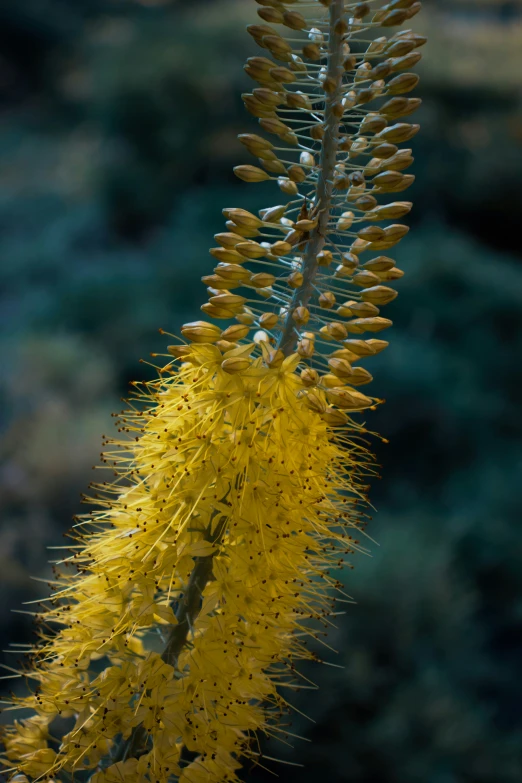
(178, 618)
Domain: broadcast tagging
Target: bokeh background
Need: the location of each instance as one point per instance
(118, 125)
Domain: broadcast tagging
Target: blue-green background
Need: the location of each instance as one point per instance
(118, 126)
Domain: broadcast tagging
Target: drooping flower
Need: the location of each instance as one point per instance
(177, 622)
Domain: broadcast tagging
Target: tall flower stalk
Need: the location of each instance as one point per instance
(209, 567)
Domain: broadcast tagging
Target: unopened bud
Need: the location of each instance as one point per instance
(201, 332)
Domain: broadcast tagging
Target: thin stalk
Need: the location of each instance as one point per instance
(323, 194)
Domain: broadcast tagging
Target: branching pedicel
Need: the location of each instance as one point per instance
(208, 571)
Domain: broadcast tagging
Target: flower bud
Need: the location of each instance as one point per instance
(201, 332)
(309, 376)
(250, 249)
(334, 417)
(327, 300)
(250, 174)
(179, 351)
(235, 365)
(233, 272)
(268, 320)
(405, 82)
(337, 330)
(287, 186)
(345, 221)
(340, 367)
(295, 280)
(315, 401)
(349, 399)
(324, 258)
(262, 280)
(375, 324)
(235, 332)
(301, 315)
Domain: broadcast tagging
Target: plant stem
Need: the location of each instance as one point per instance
(323, 195)
(186, 616)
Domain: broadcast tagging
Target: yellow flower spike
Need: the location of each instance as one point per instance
(236, 478)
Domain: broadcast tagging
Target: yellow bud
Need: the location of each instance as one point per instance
(337, 330)
(340, 367)
(277, 45)
(349, 261)
(330, 381)
(214, 311)
(378, 345)
(363, 309)
(179, 351)
(301, 316)
(379, 264)
(246, 318)
(235, 365)
(345, 221)
(312, 51)
(365, 279)
(391, 274)
(360, 347)
(262, 280)
(324, 258)
(241, 230)
(400, 132)
(298, 100)
(273, 166)
(275, 359)
(317, 132)
(251, 174)
(295, 280)
(227, 254)
(403, 83)
(371, 233)
(220, 283)
(233, 272)
(296, 173)
(360, 376)
(228, 300)
(394, 18)
(250, 249)
(327, 300)
(283, 75)
(294, 20)
(391, 211)
(376, 324)
(235, 332)
(287, 186)
(273, 214)
(259, 31)
(270, 15)
(309, 377)
(280, 248)
(346, 309)
(225, 345)
(306, 348)
(229, 240)
(349, 399)
(201, 332)
(334, 417)
(306, 225)
(315, 401)
(254, 143)
(344, 353)
(268, 320)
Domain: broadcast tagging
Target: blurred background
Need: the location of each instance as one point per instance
(118, 125)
